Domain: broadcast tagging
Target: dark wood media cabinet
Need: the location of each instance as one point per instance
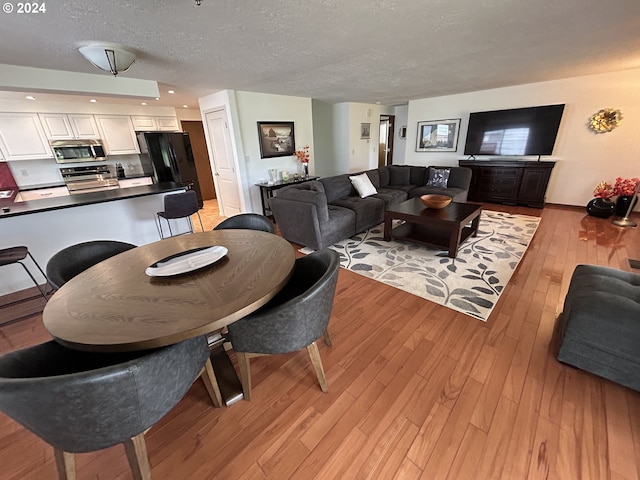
(513, 182)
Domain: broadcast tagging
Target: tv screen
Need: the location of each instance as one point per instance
(520, 131)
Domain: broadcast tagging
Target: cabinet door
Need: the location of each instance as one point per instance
(118, 134)
(22, 137)
(533, 187)
(56, 126)
(84, 126)
(168, 124)
(145, 124)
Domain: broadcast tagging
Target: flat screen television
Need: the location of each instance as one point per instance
(519, 131)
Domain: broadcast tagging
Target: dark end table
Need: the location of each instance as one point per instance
(447, 227)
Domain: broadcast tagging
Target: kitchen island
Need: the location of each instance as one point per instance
(49, 225)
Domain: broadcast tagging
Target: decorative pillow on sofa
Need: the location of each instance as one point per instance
(363, 185)
(438, 177)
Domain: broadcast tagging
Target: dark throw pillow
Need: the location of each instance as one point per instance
(438, 177)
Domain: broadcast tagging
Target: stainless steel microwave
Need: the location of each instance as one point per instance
(70, 151)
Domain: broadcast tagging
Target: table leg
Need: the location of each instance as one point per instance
(474, 226)
(388, 222)
(230, 386)
(454, 240)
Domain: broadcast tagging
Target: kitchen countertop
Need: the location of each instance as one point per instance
(80, 199)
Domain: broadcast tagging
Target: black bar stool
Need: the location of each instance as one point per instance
(13, 255)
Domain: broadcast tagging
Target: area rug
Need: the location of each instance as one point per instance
(471, 283)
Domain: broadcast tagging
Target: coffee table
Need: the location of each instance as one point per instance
(447, 227)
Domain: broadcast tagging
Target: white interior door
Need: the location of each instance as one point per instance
(224, 171)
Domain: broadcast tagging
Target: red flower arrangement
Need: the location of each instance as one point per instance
(603, 190)
(302, 154)
(625, 186)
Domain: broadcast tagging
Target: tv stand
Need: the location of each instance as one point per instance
(513, 182)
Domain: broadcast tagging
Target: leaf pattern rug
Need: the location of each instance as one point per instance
(471, 283)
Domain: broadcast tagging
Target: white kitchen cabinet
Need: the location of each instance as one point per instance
(62, 126)
(22, 137)
(118, 134)
(168, 124)
(135, 182)
(41, 193)
(151, 124)
(144, 124)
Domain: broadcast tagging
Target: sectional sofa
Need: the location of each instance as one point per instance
(320, 213)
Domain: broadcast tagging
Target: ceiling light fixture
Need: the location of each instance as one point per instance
(109, 57)
(198, 2)
(93, 100)
(30, 97)
(171, 91)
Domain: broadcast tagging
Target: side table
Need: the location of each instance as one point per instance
(267, 189)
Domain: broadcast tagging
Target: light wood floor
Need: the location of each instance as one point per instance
(415, 390)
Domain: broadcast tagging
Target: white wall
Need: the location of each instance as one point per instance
(323, 141)
(583, 158)
(399, 143)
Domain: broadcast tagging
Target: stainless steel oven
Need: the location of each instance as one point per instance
(85, 179)
(72, 151)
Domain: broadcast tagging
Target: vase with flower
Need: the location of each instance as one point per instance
(302, 155)
(626, 191)
(602, 206)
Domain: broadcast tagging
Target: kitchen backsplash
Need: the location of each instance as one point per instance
(27, 173)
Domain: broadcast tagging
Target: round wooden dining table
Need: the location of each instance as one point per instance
(115, 306)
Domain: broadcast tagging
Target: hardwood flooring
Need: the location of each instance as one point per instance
(416, 390)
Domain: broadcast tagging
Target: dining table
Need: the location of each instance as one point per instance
(123, 304)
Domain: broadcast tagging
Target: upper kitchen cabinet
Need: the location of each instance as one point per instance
(151, 124)
(22, 137)
(118, 134)
(61, 126)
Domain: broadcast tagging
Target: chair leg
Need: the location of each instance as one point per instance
(211, 383)
(200, 218)
(314, 354)
(327, 337)
(66, 464)
(136, 450)
(245, 374)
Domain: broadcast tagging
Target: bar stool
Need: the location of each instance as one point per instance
(16, 255)
(179, 205)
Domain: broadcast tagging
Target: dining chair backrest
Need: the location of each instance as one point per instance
(75, 259)
(249, 221)
(180, 205)
(81, 402)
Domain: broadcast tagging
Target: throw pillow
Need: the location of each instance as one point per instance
(363, 185)
(438, 177)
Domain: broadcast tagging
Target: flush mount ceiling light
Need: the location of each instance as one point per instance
(108, 57)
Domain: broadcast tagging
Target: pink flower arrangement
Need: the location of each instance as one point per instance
(622, 187)
(302, 154)
(625, 186)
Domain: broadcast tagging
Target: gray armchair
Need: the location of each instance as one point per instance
(293, 320)
(75, 259)
(248, 221)
(81, 402)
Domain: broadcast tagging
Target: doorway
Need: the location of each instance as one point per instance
(201, 157)
(385, 149)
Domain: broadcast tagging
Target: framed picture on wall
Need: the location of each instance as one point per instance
(365, 131)
(438, 135)
(276, 139)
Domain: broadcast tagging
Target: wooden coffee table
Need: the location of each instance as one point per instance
(447, 227)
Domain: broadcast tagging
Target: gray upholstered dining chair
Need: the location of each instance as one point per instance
(75, 259)
(297, 316)
(179, 205)
(81, 402)
(249, 221)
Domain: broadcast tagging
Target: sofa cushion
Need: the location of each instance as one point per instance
(399, 175)
(337, 187)
(319, 199)
(363, 185)
(374, 176)
(369, 211)
(383, 173)
(391, 196)
(438, 177)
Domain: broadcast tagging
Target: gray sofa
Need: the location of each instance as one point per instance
(320, 213)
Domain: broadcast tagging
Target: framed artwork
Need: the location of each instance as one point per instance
(365, 131)
(276, 139)
(438, 135)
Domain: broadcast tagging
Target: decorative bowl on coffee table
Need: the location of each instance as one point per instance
(435, 201)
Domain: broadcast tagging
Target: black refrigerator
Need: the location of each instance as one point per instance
(167, 157)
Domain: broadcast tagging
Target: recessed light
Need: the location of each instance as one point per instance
(157, 98)
(30, 97)
(143, 103)
(93, 100)
(185, 106)
(172, 91)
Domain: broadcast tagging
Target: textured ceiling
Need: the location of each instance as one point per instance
(334, 50)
